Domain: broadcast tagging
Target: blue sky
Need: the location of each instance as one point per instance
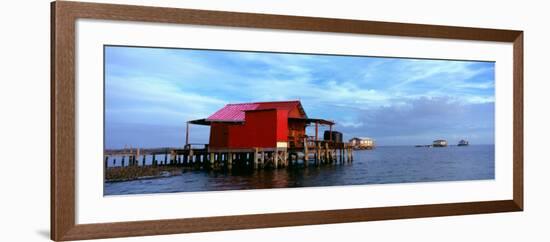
(150, 93)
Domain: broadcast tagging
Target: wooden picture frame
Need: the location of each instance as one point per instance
(63, 17)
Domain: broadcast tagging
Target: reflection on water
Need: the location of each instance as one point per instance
(390, 164)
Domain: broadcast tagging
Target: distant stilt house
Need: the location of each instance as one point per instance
(362, 143)
(439, 143)
(260, 125)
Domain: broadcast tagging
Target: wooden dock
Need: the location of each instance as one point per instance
(200, 156)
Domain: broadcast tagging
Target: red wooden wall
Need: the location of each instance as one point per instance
(262, 129)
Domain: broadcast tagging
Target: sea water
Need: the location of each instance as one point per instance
(383, 165)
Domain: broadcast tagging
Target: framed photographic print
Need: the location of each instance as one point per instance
(170, 120)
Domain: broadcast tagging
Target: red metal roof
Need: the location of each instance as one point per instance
(235, 112)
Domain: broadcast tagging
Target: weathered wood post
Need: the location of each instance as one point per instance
(341, 151)
(262, 158)
(106, 161)
(285, 153)
(255, 157)
(230, 161)
(212, 158)
(327, 153)
(123, 161)
(187, 134)
(143, 160)
(318, 152)
(190, 157)
(138, 153)
(306, 152)
(154, 161)
(172, 157)
(276, 158)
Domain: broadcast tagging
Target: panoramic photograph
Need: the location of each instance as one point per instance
(194, 120)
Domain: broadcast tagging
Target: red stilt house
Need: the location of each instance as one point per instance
(259, 125)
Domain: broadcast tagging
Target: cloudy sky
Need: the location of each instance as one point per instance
(151, 92)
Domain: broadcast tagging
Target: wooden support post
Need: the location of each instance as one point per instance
(187, 134)
(328, 157)
(318, 152)
(255, 157)
(306, 152)
(230, 161)
(143, 160)
(276, 158)
(154, 161)
(106, 161)
(286, 158)
(165, 157)
(123, 158)
(138, 153)
(346, 154)
(262, 158)
(212, 158)
(316, 131)
(330, 134)
(190, 157)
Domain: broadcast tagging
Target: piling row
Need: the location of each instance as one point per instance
(318, 152)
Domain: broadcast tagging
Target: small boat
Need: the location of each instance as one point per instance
(463, 143)
(439, 143)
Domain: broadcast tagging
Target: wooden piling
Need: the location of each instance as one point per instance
(328, 159)
(212, 158)
(255, 157)
(306, 152)
(230, 161)
(190, 157)
(262, 158)
(276, 158)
